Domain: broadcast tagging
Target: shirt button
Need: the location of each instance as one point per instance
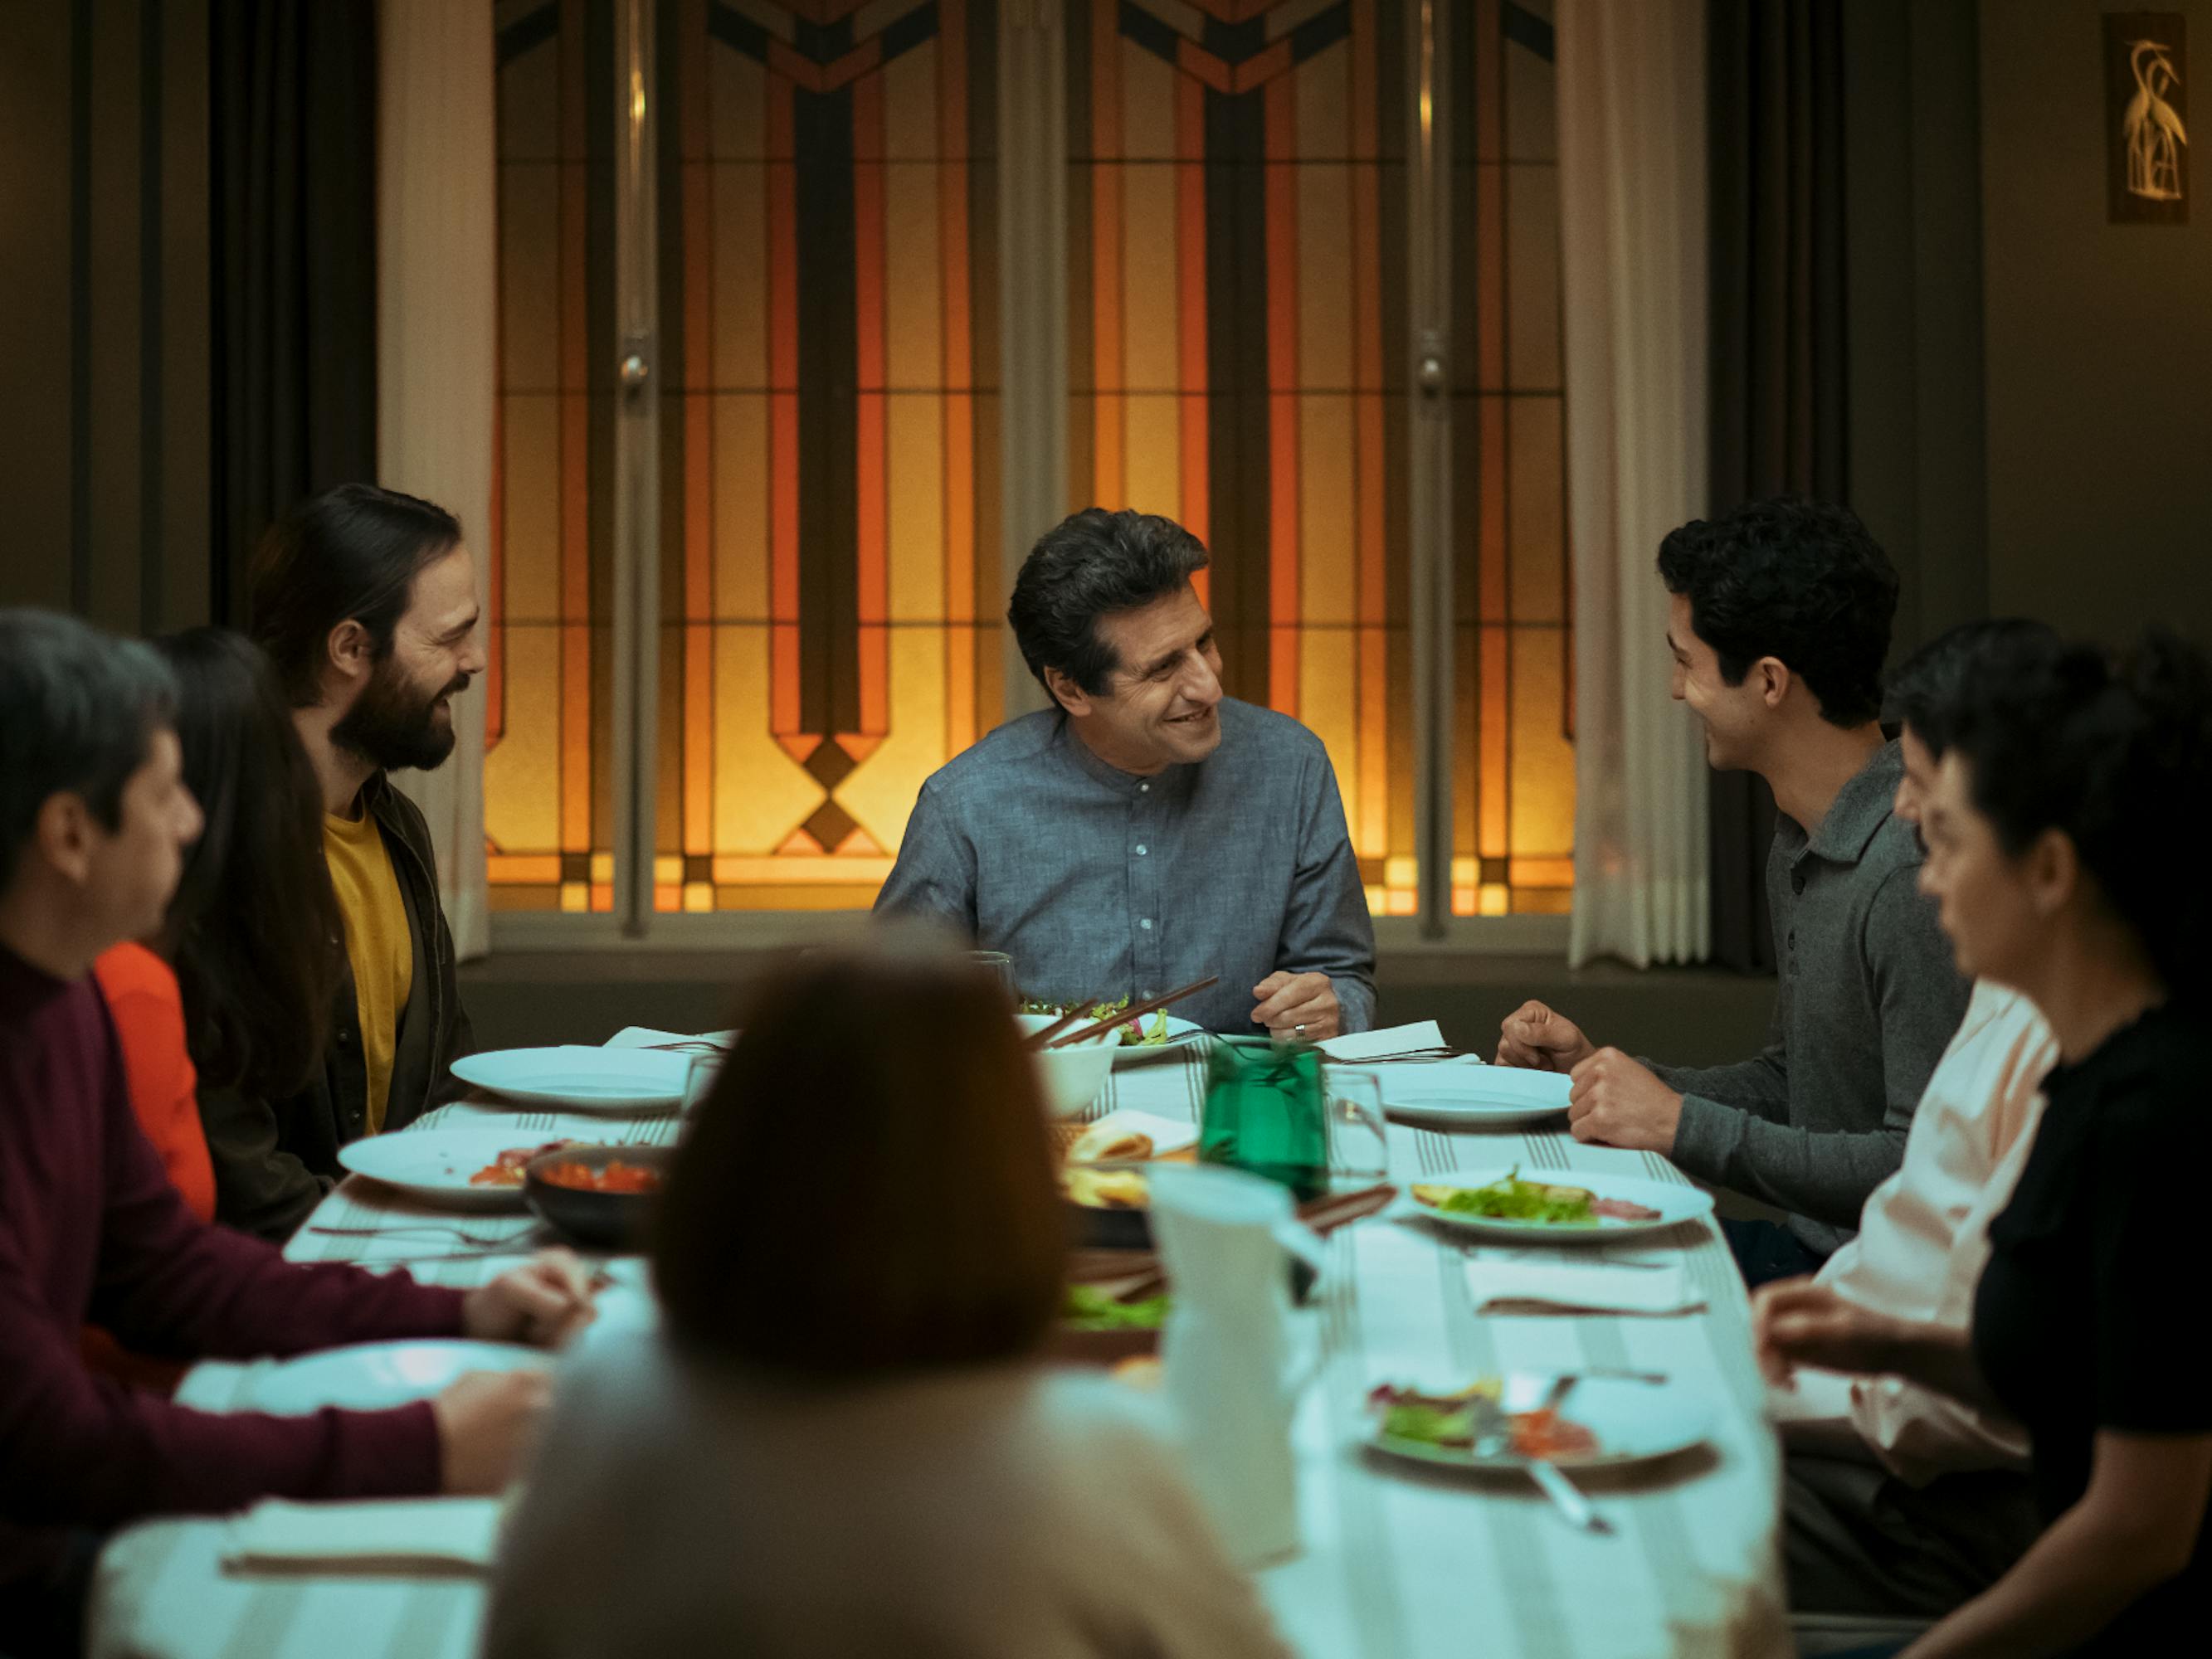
(1797, 881)
(1146, 923)
(1140, 849)
(1793, 939)
(1143, 788)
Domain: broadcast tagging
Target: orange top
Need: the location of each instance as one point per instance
(149, 1013)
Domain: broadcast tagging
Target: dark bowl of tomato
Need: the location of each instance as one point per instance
(600, 1197)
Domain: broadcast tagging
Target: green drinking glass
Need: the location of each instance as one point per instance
(1264, 1114)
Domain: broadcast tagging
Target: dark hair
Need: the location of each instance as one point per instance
(255, 928)
(351, 554)
(915, 1164)
(1926, 686)
(2114, 752)
(1089, 565)
(78, 710)
(1796, 580)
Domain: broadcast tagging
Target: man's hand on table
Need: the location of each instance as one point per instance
(486, 1421)
(1618, 1103)
(543, 1302)
(1536, 1039)
(1301, 1006)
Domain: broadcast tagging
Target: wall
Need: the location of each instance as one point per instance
(2099, 340)
(104, 309)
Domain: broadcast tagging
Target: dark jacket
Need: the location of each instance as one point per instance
(274, 1159)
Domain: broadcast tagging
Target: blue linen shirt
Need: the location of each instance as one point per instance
(1101, 884)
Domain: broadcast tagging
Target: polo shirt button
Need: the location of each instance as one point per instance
(1793, 939)
(1140, 849)
(1797, 881)
(1143, 788)
(1146, 923)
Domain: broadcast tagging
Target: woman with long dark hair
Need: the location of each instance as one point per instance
(2065, 849)
(254, 933)
(846, 1440)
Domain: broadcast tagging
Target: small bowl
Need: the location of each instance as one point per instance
(1072, 1077)
(600, 1221)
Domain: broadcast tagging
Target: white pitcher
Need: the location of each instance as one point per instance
(1225, 1238)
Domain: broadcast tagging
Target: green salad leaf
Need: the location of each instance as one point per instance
(1088, 1309)
(1145, 1033)
(1516, 1199)
(1432, 1426)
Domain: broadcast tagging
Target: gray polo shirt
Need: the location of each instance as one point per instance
(1102, 883)
(1868, 999)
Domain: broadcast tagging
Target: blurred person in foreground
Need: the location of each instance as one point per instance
(845, 1439)
(1146, 830)
(2063, 833)
(95, 824)
(1779, 618)
(365, 600)
(1899, 1500)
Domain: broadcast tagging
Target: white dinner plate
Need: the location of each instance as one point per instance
(1675, 1205)
(436, 1164)
(1634, 1422)
(584, 1078)
(370, 1377)
(1457, 1094)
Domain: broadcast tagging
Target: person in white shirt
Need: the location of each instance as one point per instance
(1899, 1500)
(844, 1440)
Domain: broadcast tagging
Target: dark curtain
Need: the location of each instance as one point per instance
(1775, 86)
(292, 175)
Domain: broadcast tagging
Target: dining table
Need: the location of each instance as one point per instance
(1397, 1560)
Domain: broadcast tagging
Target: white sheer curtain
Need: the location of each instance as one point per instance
(1631, 109)
(437, 355)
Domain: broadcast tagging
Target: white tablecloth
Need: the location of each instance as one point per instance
(1397, 1562)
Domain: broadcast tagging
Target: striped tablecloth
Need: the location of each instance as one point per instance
(1396, 1562)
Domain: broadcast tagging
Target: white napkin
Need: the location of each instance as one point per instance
(644, 1037)
(1394, 1039)
(1512, 1285)
(412, 1534)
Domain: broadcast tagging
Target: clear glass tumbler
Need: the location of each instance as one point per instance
(1358, 1137)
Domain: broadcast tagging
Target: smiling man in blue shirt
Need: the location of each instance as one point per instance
(1146, 830)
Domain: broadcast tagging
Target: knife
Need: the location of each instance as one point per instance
(1493, 1439)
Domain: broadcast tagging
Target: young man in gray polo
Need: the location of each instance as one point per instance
(1146, 830)
(1779, 623)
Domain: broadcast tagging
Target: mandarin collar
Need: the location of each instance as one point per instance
(1087, 762)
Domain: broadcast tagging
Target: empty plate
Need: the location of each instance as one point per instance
(589, 1079)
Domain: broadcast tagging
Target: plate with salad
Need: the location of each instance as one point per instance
(1580, 1206)
(1502, 1422)
(1130, 1040)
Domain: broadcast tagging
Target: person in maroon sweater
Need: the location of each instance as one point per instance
(94, 821)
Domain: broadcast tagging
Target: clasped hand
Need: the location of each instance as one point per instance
(1613, 1100)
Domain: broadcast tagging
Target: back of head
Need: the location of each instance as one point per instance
(254, 921)
(351, 554)
(2113, 750)
(1798, 580)
(869, 1189)
(1927, 685)
(77, 710)
(1092, 564)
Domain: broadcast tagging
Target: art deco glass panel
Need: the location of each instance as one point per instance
(1512, 781)
(548, 796)
(829, 582)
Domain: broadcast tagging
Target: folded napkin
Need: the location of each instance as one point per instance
(375, 1535)
(1510, 1285)
(1391, 1039)
(644, 1037)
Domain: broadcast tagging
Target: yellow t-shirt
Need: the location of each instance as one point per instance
(377, 944)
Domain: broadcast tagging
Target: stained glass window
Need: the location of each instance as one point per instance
(830, 556)
(549, 754)
(826, 207)
(1513, 772)
(1237, 348)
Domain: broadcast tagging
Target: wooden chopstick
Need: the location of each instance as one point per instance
(1038, 1039)
(1139, 1012)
